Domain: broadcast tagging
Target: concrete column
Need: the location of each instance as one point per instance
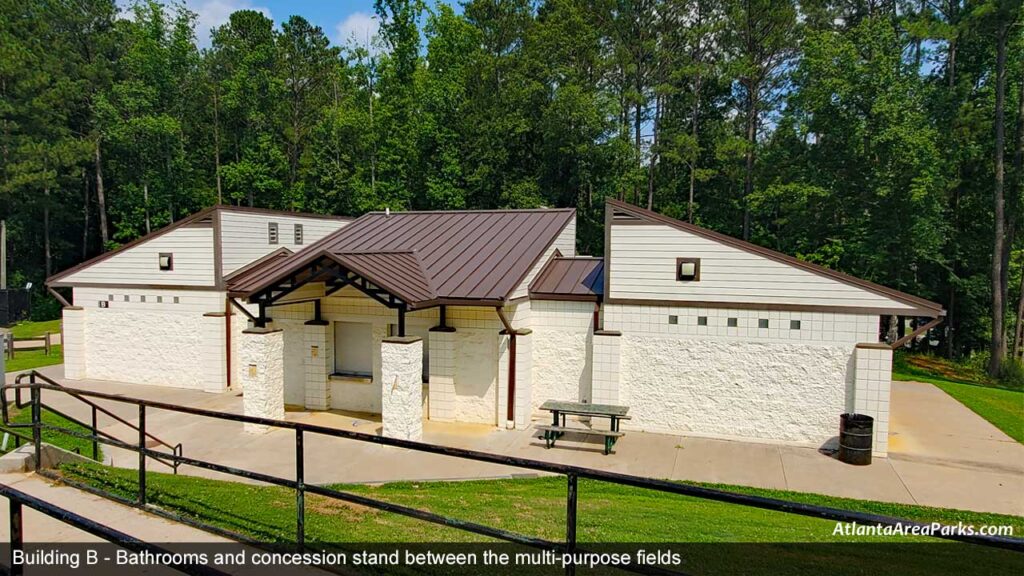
(319, 363)
(524, 378)
(604, 387)
(73, 342)
(402, 387)
(262, 359)
(214, 352)
(441, 390)
(871, 392)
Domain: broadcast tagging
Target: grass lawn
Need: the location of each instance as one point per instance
(606, 513)
(59, 439)
(28, 359)
(34, 329)
(1002, 407)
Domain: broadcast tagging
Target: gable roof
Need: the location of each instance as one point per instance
(428, 258)
(614, 208)
(205, 218)
(575, 278)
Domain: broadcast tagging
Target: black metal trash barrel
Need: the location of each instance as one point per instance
(856, 432)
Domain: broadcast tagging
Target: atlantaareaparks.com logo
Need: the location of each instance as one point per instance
(933, 529)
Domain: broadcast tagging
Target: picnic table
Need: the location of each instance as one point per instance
(560, 409)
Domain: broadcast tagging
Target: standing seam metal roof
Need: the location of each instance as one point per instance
(425, 256)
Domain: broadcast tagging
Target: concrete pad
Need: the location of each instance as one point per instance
(728, 462)
(963, 488)
(808, 470)
(929, 425)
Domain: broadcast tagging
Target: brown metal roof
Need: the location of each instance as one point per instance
(579, 278)
(431, 257)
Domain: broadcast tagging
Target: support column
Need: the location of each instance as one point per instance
(504, 358)
(402, 387)
(524, 378)
(214, 353)
(319, 363)
(604, 387)
(262, 359)
(871, 392)
(73, 342)
(442, 374)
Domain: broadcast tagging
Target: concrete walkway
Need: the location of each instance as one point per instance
(942, 454)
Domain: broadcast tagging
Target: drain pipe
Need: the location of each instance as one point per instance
(510, 415)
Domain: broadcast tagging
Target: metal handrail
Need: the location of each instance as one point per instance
(572, 474)
(17, 499)
(94, 407)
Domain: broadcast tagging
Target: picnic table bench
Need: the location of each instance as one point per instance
(558, 428)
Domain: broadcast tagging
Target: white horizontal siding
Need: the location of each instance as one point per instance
(564, 243)
(193, 261)
(244, 236)
(643, 260)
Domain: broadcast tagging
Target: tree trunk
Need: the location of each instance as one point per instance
(85, 212)
(1019, 331)
(997, 346)
(216, 145)
(748, 177)
(46, 231)
(145, 204)
(1018, 181)
(101, 200)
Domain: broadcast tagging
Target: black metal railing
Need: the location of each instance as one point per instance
(94, 409)
(571, 473)
(18, 499)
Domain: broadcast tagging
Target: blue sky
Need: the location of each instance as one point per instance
(340, 19)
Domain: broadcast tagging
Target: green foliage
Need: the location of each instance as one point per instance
(856, 138)
(55, 437)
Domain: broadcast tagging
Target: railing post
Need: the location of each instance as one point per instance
(37, 430)
(570, 520)
(95, 442)
(142, 454)
(300, 491)
(17, 543)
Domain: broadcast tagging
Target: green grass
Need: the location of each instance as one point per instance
(35, 329)
(59, 439)
(1002, 407)
(536, 507)
(28, 359)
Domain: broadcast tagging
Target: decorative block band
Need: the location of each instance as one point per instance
(402, 339)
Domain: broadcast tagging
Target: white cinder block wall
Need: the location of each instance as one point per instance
(780, 383)
(158, 337)
(562, 362)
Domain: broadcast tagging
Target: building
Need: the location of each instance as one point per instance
(480, 316)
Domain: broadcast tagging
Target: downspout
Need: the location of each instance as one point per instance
(227, 338)
(510, 414)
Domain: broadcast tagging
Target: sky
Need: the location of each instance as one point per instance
(340, 19)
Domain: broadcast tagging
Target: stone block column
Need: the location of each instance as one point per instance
(441, 390)
(524, 378)
(604, 387)
(318, 361)
(262, 359)
(73, 342)
(402, 387)
(872, 387)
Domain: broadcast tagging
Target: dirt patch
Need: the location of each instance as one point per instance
(945, 369)
(334, 507)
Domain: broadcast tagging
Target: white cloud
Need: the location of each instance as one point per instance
(213, 13)
(359, 28)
